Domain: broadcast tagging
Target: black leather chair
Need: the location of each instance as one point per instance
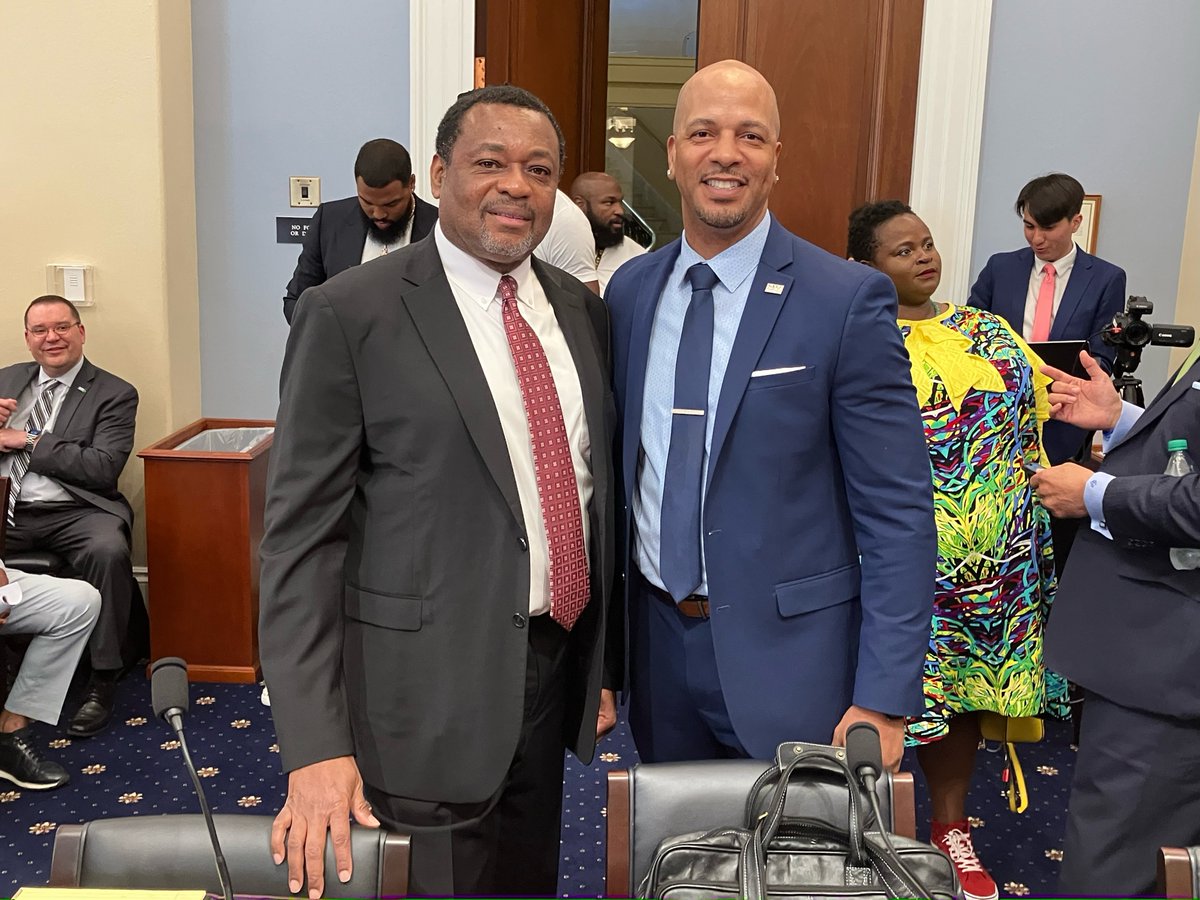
(653, 801)
(1179, 872)
(173, 852)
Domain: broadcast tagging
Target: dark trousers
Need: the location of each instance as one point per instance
(510, 844)
(95, 544)
(1136, 788)
(676, 708)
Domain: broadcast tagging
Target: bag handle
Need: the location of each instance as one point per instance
(752, 865)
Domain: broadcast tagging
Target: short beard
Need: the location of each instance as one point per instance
(392, 233)
(722, 218)
(509, 250)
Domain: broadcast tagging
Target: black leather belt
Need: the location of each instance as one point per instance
(694, 606)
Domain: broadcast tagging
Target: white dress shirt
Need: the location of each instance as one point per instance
(373, 248)
(34, 487)
(1062, 273)
(476, 289)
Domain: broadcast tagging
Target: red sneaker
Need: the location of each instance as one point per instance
(954, 839)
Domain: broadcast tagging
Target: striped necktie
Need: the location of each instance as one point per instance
(20, 458)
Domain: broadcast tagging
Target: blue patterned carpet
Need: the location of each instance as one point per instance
(134, 768)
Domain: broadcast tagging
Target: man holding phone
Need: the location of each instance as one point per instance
(59, 613)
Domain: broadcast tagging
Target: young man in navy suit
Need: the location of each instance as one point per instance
(777, 506)
(1052, 290)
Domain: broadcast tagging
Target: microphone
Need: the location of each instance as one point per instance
(169, 695)
(864, 755)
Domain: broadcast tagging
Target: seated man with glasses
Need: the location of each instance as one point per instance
(66, 430)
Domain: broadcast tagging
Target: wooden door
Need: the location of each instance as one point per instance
(845, 73)
(558, 49)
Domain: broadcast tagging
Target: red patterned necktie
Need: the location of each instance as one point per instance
(557, 491)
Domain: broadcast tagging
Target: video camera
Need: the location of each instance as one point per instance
(1129, 334)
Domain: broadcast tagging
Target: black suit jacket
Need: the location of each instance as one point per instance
(92, 436)
(1125, 623)
(334, 243)
(395, 571)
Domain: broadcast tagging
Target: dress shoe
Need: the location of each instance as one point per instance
(21, 763)
(97, 709)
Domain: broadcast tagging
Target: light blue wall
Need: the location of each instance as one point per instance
(1108, 91)
(282, 87)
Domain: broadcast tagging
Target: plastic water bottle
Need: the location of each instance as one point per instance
(1180, 463)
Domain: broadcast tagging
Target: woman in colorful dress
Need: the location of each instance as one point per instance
(982, 401)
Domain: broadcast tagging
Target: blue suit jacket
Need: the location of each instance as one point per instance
(1095, 293)
(818, 520)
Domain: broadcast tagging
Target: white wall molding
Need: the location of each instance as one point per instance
(945, 174)
(441, 66)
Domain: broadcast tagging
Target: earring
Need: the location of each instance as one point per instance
(668, 173)
(776, 177)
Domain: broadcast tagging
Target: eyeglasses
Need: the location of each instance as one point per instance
(61, 329)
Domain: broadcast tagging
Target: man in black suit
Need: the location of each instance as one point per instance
(439, 530)
(68, 430)
(385, 216)
(1126, 627)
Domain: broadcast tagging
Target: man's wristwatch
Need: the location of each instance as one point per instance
(30, 442)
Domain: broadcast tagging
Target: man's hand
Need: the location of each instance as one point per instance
(12, 439)
(8, 406)
(891, 734)
(1091, 403)
(606, 719)
(1060, 488)
(321, 797)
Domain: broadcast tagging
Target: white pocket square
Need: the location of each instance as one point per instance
(762, 373)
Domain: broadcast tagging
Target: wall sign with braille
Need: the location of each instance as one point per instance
(290, 229)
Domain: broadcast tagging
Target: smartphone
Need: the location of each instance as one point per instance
(1031, 467)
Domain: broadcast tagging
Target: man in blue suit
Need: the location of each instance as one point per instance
(779, 541)
(1075, 293)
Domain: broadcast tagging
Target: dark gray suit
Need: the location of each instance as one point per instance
(395, 573)
(1126, 627)
(334, 243)
(85, 453)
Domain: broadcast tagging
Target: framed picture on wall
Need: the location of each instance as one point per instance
(1085, 237)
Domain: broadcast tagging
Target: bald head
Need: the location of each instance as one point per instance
(722, 154)
(729, 76)
(588, 185)
(600, 197)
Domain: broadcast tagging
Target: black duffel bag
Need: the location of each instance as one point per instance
(775, 856)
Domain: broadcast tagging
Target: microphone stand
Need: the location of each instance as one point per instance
(175, 720)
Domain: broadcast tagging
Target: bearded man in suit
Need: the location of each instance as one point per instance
(438, 539)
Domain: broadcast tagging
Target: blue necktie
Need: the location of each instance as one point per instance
(683, 483)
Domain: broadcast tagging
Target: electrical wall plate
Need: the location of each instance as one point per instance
(305, 190)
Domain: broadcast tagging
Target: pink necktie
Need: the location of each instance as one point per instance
(557, 491)
(1043, 313)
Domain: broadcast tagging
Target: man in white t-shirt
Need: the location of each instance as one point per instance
(600, 197)
(568, 243)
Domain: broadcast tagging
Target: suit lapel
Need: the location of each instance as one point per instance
(17, 379)
(83, 383)
(639, 351)
(1012, 295)
(758, 321)
(435, 313)
(1165, 398)
(1077, 286)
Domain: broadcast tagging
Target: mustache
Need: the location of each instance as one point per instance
(520, 209)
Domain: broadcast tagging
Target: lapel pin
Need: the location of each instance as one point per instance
(773, 288)
(81, 389)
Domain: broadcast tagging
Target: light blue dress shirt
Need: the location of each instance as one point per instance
(1093, 491)
(735, 267)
